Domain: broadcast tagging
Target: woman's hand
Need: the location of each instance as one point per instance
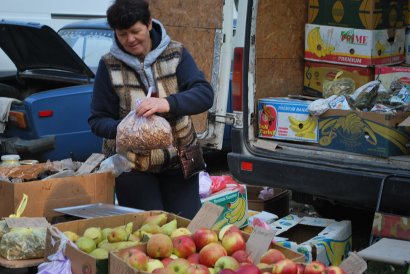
(151, 106)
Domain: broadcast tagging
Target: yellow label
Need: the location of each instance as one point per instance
(338, 11)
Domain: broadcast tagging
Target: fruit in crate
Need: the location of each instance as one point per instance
(248, 269)
(159, 246)
(226, 262)
(204, 236)
(85, 244)
(157, 219)
(150, 228)
(180, 231)
(153, 264)
(242, 256)
(169, 227)
(193, 258)
(119, 234)
(226, 271)
(197, 269)
(135, 258)
(178, 266)
(226, 228)
(162, 271)
(315, 267)
(334, 270)
(184, 246)
(94, 233)
(232, 241)
(99, 253)
(106, 231)
(210, 253)
(272, 256)
(72, 236)
(301, 268)
(285, 266)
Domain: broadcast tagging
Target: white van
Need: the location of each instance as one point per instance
(54, 13)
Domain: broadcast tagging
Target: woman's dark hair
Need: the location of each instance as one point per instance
(122, 14)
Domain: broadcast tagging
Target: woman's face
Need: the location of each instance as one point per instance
(136, 39)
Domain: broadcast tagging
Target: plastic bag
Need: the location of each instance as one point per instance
(59, 264)
(141, 134)
(221, 182)
(115, 164)
(338, 86)
(205, 183)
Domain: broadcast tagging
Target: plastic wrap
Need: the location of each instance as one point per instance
(116, 164)
(23, 243)
(338, 86)
(3, 228)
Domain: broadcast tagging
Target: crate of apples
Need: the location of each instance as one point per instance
(203, 252)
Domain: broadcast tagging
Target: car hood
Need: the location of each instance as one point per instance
(35, 46)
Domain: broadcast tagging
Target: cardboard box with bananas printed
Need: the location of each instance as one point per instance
(235, 201)
(371, 133)
(286, 119)
(356, 47)
(325, 240)
(362, 14)
(318, 72)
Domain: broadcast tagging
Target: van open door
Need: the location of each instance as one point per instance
(206, 29)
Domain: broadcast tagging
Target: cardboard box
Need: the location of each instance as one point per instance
(362, 14)
(318, 72)
(46, 195)
(81, 262)
(278, 204)
(370, 133)
(235, 203)
(407, 47)
(388, 74)
(356, 47)
(286, 119)
(319, 239)
(117, 265)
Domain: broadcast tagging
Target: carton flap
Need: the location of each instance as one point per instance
(259, 242)
(206, 217)
(405, 123)
(286, 223)
(27, 222)
(314, 221)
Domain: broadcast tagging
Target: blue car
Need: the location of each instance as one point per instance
(53, 84)
(52, 87)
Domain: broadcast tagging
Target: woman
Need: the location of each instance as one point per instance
(143, 57)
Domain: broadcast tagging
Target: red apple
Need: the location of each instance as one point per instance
(197, 269)
(226, 228)
(334, 270)
(315, 267)
(285, 266)
(193, 258)
(248, 269)
(137, 259)
(178, 266)
(166, 261)
(242, 257)
(272, 256)
(183, 246)
(226, 271)
(226, 262)
(159, 246)
(210, 253)
(301, 268)
(233, 241)
(162, 271)
(204, 236)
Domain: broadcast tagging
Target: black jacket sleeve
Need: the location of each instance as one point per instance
(104, 119)
(195, 93)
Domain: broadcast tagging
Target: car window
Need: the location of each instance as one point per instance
(89, 44)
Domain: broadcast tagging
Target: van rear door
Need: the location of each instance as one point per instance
(205, 28)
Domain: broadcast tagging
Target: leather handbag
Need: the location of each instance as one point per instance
(192, 160)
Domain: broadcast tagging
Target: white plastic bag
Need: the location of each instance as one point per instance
(115, 164)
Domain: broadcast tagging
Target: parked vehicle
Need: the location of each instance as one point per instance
(269, 63)
(55, 74)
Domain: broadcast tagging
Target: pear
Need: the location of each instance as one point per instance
(94, 233)
(102, 242)
(106, 231)
(99, 253)
(180, 231)
(118, 245)
(159, 219)
(85, 244)
(129, 227)
(136, 236)
(72, 236)
(117, 235)
(151, 228)
(169, 227)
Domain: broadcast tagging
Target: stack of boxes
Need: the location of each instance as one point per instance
(352, 36)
